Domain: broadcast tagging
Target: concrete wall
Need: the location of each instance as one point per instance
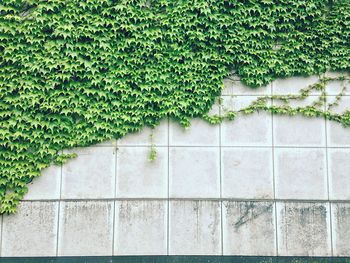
(260, 185)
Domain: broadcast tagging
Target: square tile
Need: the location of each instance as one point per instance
(249, 228)
(300, 173)
(46, 186)
(236, 87)
(194, 228)
(338, 135)
(247, 173)
(246, 130)
(200, 133)
(140, 228)
(339, 174)
(293, 85)
(86, 228)
(338, 86)
(32, 231)
(91, 174)
(303, 229)
(138, 177)
(194, 172)
(143, 137)
(299, 131)
(341, 229)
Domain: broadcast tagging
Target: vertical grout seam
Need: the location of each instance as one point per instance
(59, 209)
(328, 184)
(221, 202)
(115, 196)
(168, 193)
(273, 176)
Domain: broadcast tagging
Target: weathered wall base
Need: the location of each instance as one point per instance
(178, 259)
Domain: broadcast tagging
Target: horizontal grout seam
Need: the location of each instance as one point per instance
(193, 199)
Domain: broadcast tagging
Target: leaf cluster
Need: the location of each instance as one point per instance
(78, 72)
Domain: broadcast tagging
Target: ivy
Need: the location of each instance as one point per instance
(282, 105)
(152, 156)
(78, 72)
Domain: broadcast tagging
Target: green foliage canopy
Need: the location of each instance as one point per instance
(78, 72)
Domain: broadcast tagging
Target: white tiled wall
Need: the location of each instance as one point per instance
(259, 185)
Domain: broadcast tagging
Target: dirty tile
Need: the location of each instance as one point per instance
(245, 130)
(293, 85)
(236, 87)
(46, 186)
(300, 173)
(339, 173)
(143, 137)
(86, 228)
(341, 229)
(339, 136)
(140, 228)
(200, 133)
(247, 173)
(249, 228)
(91, 174)
(303, 229)
(194, 172)
(194, 228)
(138, 177)
(32, 231)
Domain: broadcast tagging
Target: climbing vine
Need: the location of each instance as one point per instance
(78, 72)
(281, 105)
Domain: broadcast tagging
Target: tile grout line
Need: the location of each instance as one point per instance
(113, 225)
(243, 146)
(328, 187)
(221, 203)
(59, 210)
(115, 197)
(168, 194)
(274, 178)
(196, 199)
